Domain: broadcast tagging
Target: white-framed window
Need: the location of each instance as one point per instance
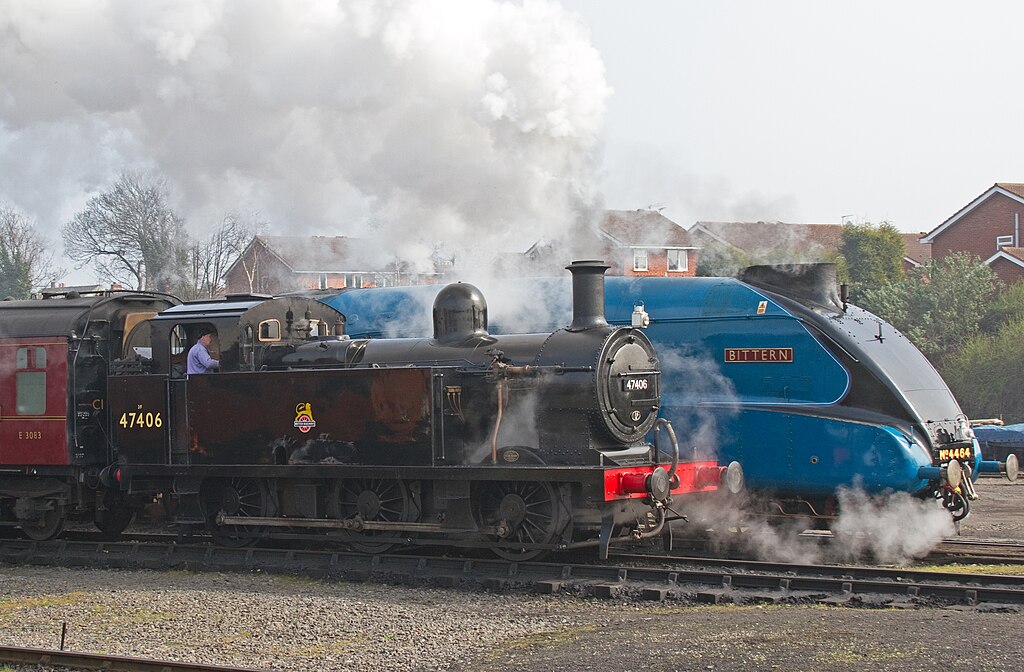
(323, 281)
(678, 261)
(1003, 241)
(639, 260)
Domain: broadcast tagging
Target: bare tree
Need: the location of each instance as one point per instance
(26, 261)
(131, 235)
(209, 259)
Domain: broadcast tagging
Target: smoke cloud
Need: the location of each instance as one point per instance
(469, 124)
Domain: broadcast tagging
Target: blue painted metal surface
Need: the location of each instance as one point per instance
(778, 418)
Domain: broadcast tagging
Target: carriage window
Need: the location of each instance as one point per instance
(31, 385)
(270, 330)
(178, 340)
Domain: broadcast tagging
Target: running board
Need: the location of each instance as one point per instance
(352, 524)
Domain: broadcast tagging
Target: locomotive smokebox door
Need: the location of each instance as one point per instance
(138, 418)
(631, 387)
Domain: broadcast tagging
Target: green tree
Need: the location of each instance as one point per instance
(131, 235)
(25, 257)
(720, 261)
(873, 255)
(1007, 307)
(985, 374)
(938, 305)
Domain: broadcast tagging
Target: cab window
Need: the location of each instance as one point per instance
(270, 330)
(178, 340)
(246, 347)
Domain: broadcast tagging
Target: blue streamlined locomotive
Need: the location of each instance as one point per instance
(774, 370)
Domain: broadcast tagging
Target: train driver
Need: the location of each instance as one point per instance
(199, 359)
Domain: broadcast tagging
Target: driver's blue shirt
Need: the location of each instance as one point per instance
(199, 360)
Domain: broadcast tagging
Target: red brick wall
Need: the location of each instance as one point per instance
(657, 265)
(976, 231)
(1008, 271)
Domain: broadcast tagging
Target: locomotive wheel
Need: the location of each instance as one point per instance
(117, 516)
(528, 509)
(51, 524)
(371, 499)
(235, 497)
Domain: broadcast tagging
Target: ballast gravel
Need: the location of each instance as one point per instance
(283, 623)
(274, 622)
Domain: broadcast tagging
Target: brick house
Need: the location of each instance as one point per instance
(917, 253)
(277, 264)
(988, 227)
(646, 243)
(1008, 264)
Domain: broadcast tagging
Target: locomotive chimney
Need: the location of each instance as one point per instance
(587, 294)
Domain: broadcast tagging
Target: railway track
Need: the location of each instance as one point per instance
(980, 551)
(639, 576)
(18, 655)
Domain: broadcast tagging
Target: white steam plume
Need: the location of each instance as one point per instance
(466, 123)
(893, 528)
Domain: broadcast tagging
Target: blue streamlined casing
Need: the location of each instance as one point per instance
(772, 410)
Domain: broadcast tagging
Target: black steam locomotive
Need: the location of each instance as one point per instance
(520, 444)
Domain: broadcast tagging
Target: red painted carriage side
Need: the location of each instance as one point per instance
(33, 401)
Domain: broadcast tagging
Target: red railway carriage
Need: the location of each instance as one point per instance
(54, 356)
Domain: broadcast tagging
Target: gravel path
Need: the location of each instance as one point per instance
(284, 623)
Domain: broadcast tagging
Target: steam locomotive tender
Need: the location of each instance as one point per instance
(521, 443)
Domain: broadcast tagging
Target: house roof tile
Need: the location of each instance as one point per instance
(919, 252)
(756, 237)
(324, 254)
(1012, 187)
(644, 228)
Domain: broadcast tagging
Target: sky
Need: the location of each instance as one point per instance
(491, 125)
(809, 111)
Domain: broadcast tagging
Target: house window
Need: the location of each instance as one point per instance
(31, 385)
(677, 261)
(639, 260)
(323, 281)
(354, 280)
(1003, 241)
